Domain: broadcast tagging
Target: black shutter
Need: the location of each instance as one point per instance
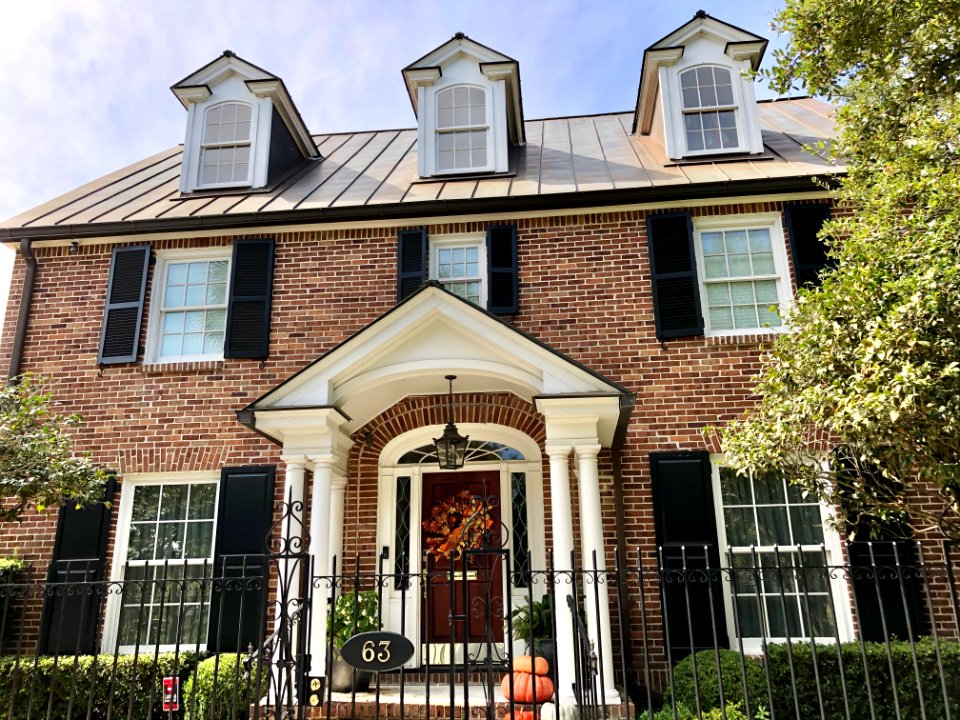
(411, 262)
(673, 268)
(239, 599)
(809, 251)
(885, 593)
(685, 526)
(123, 311)
(71, 608)
(251, 288)
(502, 287)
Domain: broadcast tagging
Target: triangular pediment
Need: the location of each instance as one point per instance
(408, 351)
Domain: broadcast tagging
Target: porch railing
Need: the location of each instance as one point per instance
(870, 633)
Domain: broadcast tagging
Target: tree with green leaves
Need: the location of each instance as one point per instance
(38, 468)
(871, 364)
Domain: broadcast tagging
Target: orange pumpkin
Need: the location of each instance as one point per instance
(534, 666)
(528, 688)
(519, 715)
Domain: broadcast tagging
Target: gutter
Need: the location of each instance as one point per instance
(26, 300)
(627, 403)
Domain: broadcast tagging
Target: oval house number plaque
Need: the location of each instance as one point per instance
(377, 651)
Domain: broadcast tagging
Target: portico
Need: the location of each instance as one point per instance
(316, 414)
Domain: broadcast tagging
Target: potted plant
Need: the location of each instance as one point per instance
(532, 623)
(353, 613)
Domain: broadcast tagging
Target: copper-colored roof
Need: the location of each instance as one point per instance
(593, 157)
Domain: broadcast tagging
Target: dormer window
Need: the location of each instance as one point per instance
(225, 152)
(696, 91)
(467, 100)
(709, 110)
(462, 129)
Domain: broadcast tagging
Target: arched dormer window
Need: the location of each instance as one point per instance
(709, 109)
(225, 147)
(462, 131)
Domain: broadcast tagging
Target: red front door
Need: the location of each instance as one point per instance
(474, 599)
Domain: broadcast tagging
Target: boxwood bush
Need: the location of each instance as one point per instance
(66, 687)
(936, 689)
(221, 687)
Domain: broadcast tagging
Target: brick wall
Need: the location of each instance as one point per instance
(584, 290)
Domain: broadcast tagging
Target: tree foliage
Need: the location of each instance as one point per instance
(872, 364)
(37, 465)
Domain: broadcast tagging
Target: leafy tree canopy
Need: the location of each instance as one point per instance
(872, 364)
(37, 466)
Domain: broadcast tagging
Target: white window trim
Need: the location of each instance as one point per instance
(745, 107)
(838, 585)
(155, 319)
(735, 107)
(767, 221)
(124, 513)
(444, 241)
(487, 127)
(202, 145)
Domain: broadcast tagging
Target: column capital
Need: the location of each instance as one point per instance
(557, 450)
(294, 461)
(325, 460)
(338, 482)
(587, 450)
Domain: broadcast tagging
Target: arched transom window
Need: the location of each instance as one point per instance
(225, 155)
(462, 129)
(709, 109)
(477, 451)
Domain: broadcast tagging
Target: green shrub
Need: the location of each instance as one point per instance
(222, 683)
(707, 686)
(353, 614)
(107, 685)
(881, 686)
(733, 711)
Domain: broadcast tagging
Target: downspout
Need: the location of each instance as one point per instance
(626, 637)
(26, 299)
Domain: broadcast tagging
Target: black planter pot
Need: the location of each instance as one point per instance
(547, 649)
(342, 677)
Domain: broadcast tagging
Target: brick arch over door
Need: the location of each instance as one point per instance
(360, 509)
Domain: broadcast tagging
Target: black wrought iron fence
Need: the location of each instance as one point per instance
(869, 632)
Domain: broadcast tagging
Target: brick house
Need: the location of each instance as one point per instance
(266, 314)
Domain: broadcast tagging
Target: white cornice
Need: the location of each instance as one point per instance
(192, 93)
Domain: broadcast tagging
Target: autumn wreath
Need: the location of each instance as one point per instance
(458, 523)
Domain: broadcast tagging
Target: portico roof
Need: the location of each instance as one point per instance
(408, 351)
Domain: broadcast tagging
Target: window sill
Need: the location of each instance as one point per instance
(758, 337)
(181, 368)
(739, 156)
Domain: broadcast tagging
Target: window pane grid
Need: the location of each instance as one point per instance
(778, 580)
(710, 120)
(194, 314)
(225, 152)
(458, 270)
(167, 571)
(461, 128)
(740, 279)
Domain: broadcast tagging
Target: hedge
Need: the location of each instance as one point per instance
(64, 687)
(806, 704)
(221, 687)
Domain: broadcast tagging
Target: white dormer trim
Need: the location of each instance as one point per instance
(232, 79)
(702, 42)
(461, 62)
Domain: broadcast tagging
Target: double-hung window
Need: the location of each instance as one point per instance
(778, 580)
(459, 264)
(166, 533)
(225, 148)
(743, 279)
(190, 308)
(462, 129)
(709, 110)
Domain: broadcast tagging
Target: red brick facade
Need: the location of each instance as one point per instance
(584, 290)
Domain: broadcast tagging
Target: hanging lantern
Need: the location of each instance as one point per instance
(451, 446)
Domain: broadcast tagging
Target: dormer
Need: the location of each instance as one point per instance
(466, 97)
(696, 92)
(243, 130)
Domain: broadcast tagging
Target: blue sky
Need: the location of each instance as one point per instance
(85, 84)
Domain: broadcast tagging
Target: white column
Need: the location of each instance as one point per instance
(591, 535)
(323, 469)
(338, 492)
(562, 524)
